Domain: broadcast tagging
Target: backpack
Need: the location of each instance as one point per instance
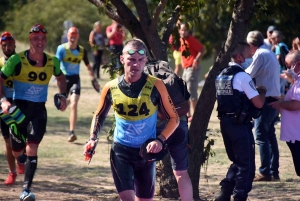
(283, 53)
(175, 85)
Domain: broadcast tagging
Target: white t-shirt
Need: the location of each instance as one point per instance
(244, 83)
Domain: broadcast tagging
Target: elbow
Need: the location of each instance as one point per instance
(259, 104)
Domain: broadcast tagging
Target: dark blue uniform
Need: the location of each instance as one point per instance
(235, 111)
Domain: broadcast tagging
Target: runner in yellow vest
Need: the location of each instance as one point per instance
(70, 55)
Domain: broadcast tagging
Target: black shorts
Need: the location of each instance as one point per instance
(73, 84)
(33, 126)
(178, 145)
(131, 172)
(4, 126)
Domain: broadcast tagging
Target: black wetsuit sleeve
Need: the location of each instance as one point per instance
(85, 57)
(101, 112)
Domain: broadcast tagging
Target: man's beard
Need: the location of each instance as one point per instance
(9, 55)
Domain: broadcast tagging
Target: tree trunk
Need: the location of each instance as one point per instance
(167, 183)
(242, 13)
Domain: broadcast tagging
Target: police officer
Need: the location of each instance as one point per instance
(238, 102)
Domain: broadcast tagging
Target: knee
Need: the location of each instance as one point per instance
(16, 154)
(31, 149)
(180, 174)
(73, 104)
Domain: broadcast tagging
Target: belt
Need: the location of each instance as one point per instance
(226, 115)
(271, 99)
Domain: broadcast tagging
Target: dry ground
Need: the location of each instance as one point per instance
(64, 175)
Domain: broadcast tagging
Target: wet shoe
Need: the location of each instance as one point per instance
(11, 178)
(260, 177)
(72, 138)
(27, 195)
(21, 168)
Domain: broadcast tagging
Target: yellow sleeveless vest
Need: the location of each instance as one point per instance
(35, 75)
(71, 58)
(133, 108)
(8, 82)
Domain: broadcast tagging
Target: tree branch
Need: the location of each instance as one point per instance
(170, 25)
(143, 12)
(109, 10)
(157, 12)
(125, 14)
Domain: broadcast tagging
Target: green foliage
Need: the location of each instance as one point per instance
(208, 150)
(282, 14)
(6, 8)
(52, 14)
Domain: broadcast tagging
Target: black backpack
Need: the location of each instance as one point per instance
(175, 85)
(283, 53)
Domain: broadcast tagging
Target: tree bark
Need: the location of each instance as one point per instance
(242, 13)
(167, 182)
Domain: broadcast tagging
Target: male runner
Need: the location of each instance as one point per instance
(8, 46)
(31, 71)
(71, 54)
(135, 97)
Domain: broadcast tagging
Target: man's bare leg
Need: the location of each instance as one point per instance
(184, 185)
(73, 116)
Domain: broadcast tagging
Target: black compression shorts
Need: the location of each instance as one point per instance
(73, 84)
(131, 172)
(34, 125)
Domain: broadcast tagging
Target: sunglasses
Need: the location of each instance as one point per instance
(4, 38)
(132, 52)
(37, 30)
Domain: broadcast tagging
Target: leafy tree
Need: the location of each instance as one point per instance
(52, 14)
(6, 9)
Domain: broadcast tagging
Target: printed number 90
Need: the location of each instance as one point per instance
(32, 76)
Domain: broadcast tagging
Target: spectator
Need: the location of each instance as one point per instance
(281, 50)
(116, 34)
(264, 69)
(290, 108)
(268, 40)
(191, 63)
(97, 42)
(176, 56)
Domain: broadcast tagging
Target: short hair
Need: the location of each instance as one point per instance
(294, 56)
(136, 43)
(97, 23)
(187, 26)
(255, 38)
(278, 34)
(238, 48)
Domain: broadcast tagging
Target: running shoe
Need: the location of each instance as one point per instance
(11, 178)
(27, 195)
(72, 138)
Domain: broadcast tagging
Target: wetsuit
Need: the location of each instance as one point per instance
(70, 65)
(136, 107)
